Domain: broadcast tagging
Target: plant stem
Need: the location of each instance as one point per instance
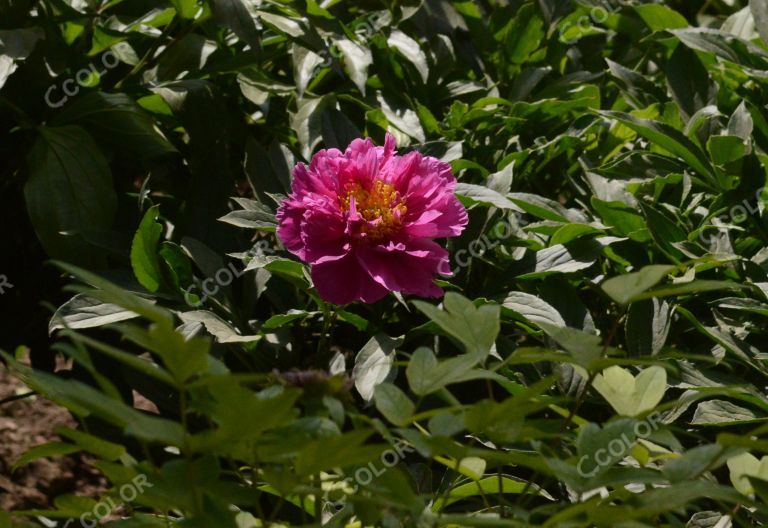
(318, 501)
(323, 345)
(17, 397)
(148, 57)
(24, 119)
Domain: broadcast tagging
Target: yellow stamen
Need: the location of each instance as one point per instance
(382, 202)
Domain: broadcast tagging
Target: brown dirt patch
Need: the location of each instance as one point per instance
(29, 422)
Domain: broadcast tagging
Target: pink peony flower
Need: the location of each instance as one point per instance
(365, 219)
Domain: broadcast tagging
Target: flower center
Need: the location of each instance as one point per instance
(381, 206)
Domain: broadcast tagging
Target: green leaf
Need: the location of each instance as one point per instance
(184, 357)
(118, 121)
(426, 375)
(486, 486)
(97, 446)
(177, 265)
(723, 45)
(66, 159)
(234, 15)
(747, 465)
(254, 215)
(726, 149)
(533, 308)
(571, 232)
(575, 256)
(307, 123)
(596, 446)
(543, 208)
(143, 366)
(186, 9)
(583, 346)
(393, 404)
(682, 495)
(630, 395)
(722, 413)
(410, 50)
(659, 17)
(665, 230)
(82, 311)
(523, 34)
(110, 293)
(697, 286)
(374, 363)
(694, 462)
(337, 452)
(51, 449)
(16, 45)
(244, 415)
(625, 219)
(672, 141)
(83, 399)
(402, 117)
(505, 422)
(223, 331)
(421, 372)
(75, 504)
(759, 12)
(279, 320)
(476, 328)
(688, 81)
(337, 129)
(356, 58)
(144, 258)
(472, 467)
(473, 194)
(626, 288)
(647, 327)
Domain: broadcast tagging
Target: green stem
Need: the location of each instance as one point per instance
(318, 501)
(17, 397)
(184, 421)
(149, 56)
(24, 119)
(323, 345)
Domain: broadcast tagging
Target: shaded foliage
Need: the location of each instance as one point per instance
(598, 359)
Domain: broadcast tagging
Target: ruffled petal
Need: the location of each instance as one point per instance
(343, 281)
(323, 235)
(289, 219)
(320, 177)
(447, 219)
(401, 271)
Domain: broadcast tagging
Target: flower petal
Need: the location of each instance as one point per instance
(343, 281)
(321, 175)
(448, 219)
(323, 234)
(402, 271)
(289, 219)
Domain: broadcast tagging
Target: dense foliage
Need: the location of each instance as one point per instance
(599, 358)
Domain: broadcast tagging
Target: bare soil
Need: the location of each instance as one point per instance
(29, 422)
